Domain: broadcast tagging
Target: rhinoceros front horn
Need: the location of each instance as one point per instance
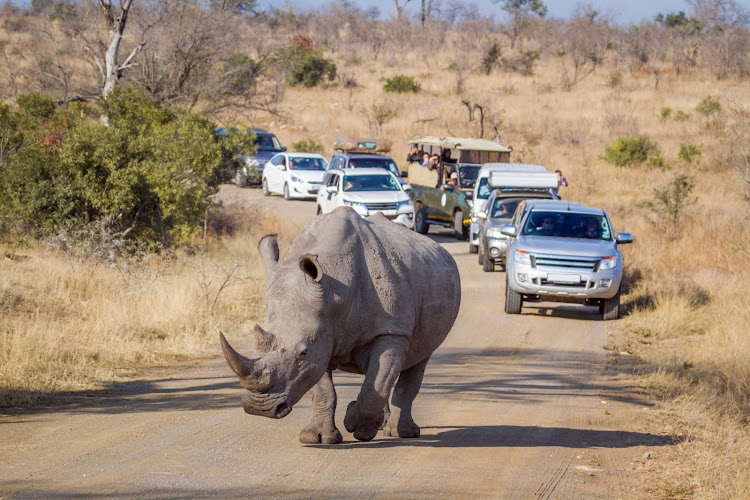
(251, 374)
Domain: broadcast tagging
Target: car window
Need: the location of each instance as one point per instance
(379, 182)
(484, 190)
(503, 209)
(305, 163)
(468, 175)
(567, 225)
(267, 142)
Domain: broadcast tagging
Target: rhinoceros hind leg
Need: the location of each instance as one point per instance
(322, 428)
(400, 423)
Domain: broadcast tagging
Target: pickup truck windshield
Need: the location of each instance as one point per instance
(469, 174)
(567, 225)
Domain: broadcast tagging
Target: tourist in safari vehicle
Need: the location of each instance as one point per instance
(439, 201)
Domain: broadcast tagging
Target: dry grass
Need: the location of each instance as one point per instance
(66, 325)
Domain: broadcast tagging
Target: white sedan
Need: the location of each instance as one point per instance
(294, 175)
(367, 191)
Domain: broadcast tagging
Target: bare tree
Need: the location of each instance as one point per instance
(583, 44)
(116, 20)
(424, 11)
(521, 13)
(399, 8)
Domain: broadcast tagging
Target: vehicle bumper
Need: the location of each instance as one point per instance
(474, 233)
(496, 248)
(564, 284)
(303, 190)
(403, 218)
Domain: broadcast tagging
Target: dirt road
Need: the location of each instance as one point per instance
(528, 406)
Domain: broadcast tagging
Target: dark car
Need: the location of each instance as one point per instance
(251, 170)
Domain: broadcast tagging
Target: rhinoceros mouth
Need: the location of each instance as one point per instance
(276, 406)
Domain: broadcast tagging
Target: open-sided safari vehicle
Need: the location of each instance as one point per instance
(436, 199)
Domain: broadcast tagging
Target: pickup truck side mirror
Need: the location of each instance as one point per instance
(448, 187)
(482, 215)
(332, 189)
(624, 238)
(283, 148)
(508, 230)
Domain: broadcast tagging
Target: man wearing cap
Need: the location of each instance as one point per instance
(453, 181)
(414, 155)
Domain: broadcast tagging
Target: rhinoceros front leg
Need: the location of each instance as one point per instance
(322, 429)
(400, 422)
(365, 415)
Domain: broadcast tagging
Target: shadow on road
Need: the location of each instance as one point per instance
(517, 436)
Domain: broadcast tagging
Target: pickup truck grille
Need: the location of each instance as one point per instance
(382, 206)
(564, 262)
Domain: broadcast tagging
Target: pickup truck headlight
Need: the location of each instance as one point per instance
(359, 207)
(609, 262)
(522, 257)
(494, 232)
(252, 162)
(405, 205)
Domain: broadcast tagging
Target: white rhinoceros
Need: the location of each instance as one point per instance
(360, 295)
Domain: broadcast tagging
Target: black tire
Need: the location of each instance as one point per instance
(473, 248)
(286, 192)
(420, 221)
(480, 258)
(240, 179)
(319, 211)
(610, 308)
(513, 300)
(266, 192)
(488, 266)
(458, 226)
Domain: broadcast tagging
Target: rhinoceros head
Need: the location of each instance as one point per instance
(294, 349)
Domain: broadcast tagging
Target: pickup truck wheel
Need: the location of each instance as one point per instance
(488, 266)
(420, 221)
(513, 300)
(473, 248)
(266, 192)
(240, 179)
(610, 308)
(458, 226)
(480, 258)
(286, 192)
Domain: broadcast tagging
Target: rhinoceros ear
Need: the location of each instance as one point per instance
(311, 267)
(269, 250)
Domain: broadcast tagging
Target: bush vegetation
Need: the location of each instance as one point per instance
(402, 84)
(627, 151)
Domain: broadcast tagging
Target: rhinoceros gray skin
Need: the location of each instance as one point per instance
(364, 296)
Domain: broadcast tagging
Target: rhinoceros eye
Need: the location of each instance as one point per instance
(301, 350)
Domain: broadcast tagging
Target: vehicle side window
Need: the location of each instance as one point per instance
(326, 179)
(334, 180)
(335, 162)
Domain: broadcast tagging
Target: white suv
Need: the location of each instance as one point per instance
(367, 191)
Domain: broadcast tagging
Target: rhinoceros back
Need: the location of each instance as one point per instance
(381, 278)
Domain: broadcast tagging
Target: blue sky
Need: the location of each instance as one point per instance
(623, 12)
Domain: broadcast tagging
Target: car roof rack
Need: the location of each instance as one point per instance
(370, 145)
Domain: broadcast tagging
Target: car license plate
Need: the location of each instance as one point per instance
(564, 278)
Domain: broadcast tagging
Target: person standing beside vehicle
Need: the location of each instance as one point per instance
(561, 181)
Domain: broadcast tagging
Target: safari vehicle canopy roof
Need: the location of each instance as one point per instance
(461, 143)
(520, 179)
(361, 145)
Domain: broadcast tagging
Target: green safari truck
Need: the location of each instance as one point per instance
(439, 200)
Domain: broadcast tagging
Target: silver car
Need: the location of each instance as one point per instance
(563, 252)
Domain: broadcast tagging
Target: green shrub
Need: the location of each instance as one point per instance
(308, 146)
(615, 79)
(681, 116)
(402, 84)
(149, 173)
(630, 151)
(667, 207)
(305, 66)
(690, 153)
(666, 113)
(710, 105)
(491, 57)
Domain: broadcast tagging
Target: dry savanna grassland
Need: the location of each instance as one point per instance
(68, 324)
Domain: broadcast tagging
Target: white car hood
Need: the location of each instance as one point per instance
(375, 196)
